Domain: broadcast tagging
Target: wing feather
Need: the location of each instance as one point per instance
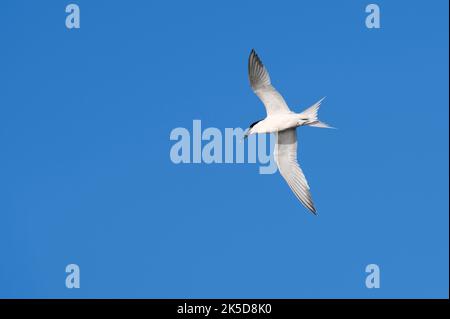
(286, 157)
(261, 85)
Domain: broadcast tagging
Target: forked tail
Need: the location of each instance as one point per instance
(310, 116)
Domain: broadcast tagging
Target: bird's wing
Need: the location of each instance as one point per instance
(260, 83)
(285, 154)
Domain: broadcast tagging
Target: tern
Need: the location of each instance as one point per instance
(281, 121)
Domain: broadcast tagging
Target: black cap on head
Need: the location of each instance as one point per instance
(254, 123)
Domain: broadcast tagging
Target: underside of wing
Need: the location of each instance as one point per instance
(286, 157)
(261, 85)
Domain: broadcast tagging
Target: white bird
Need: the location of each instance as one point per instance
(283, 122)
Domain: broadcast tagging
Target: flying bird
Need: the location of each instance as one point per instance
(283, 122)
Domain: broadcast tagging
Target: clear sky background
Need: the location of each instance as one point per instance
(86, 176)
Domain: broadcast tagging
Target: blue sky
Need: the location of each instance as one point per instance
(86, 176)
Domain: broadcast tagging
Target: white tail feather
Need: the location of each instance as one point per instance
(310, 115)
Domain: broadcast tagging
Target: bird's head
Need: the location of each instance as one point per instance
(250, 128)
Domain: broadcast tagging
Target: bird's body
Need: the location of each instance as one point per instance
(277, 122)
(283, 122)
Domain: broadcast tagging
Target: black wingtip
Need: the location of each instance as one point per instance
(254, 59)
